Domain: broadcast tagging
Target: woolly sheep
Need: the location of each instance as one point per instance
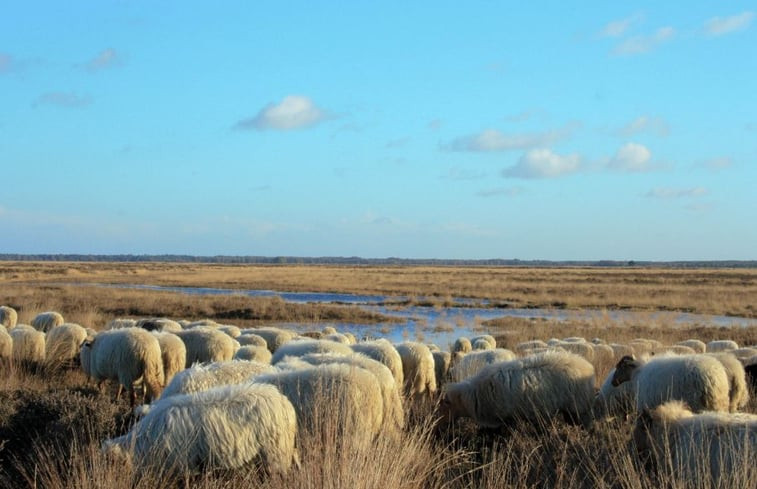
(697, 345)
(612, 400)
(332, 396)
(28, 346)
(337, 338)
(553, 342)
(603, 354)
(621, 350)
(744, 354)
(230, 330)
(253, 353)
(432, 347)
(45, 321)
(709, 447)
(63, 343)
(350, 337)
(481, 344)
(442, 361)
(462, 345)
(329, 330)
(574, 339)
(642, 346)
(525, 346)
(274, 337)
(127, 355)
(8, 317)
(721, 345)
(598, 341)
(383, 351)
(417, 369)
(699, 380)
(202, 377)
(300, 348)
(6, 345)
(475, 361)
(738, 393)
(486, 337)
(159, 324)
(207, 345)
(222, 428)
(252, 340)
(583, 349)
(201, 323)
(120, 323)
(173, 353)
(537, 387)
(679, 350)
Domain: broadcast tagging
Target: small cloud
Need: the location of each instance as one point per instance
(435, 124)
(67, 100)
(107, 58)
(493, 140)
(644, 43)
(652, 125)
(718, 26)
(500, 192)
(676, 193)
(293, 112)
(543, 163)
(398, 143)
(720, 163)
(617, 28)
(631, 157)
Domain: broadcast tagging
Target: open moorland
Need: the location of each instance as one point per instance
(53, 420)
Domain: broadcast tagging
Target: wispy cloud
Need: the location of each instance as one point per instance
(293, 112)
(398, 143)
(491, 140)
(645, 42)
(543, 163)
(617, 28)
(719, 163)
(676, 193)
(719, 26)
(435, 124)
(645, 124)
(500, 192)
(525, 115)
(632, 157)
(6, 63)
(107, 58)
(66, 100)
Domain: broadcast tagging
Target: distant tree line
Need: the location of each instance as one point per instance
(355, 260)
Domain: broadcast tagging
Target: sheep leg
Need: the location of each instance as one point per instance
(132, 396)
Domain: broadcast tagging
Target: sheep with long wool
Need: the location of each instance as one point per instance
(417, 368)
(45, 321)
(207, 345)
(475, 361)
(63, 343)
(303, 347)
(8, 317)
(173, 353)
(383, 351)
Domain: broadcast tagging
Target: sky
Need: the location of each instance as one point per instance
(471, 130)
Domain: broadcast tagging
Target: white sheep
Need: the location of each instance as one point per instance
(8, 317)
(207, 345)
(327, 330)
(383, 351)
(45, 321)
(252, 340)
(253, 353)
(227, 427)
(711, 447)
(28, 346)
(574, 339)
(230, 330)
(486, 337)
(699, 380)
(338, 338)
(526, 346)
(200, 323)
(537, 388)
(274, 337)
(716, 346)
(159, 324)
(462, 345)
(697, 345)
(417, 369)
(6, 346)
(173, 353)
(744, 354)
(303, 347)
(126, 355)
(63, 343)
(603, 354)
(481, 344)
(201, 377)
(612, 400)
(621, 350)
(475, 361)
(738, 392)
(581, 348)
(679, 350)
(442, 360)
(120, 323)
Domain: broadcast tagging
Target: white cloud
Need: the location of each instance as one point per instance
(67, 100)
(718, 26)
(719, 163)
(652, 125)
(632, 157)
(501, 192)
(644, 43)
(676, 193)
(543, 163)
(107, 58)
(493, 140)
(617, 28)
(293, 112)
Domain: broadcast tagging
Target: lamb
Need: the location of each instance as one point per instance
(721, 345)
(475, 361)
(8, 317)
(253, 353)
(173, 353)
(699, 380)
(711, 446)
(159, 324)
(6, 346)
(738, 393)
(274, 337)
(442, 361)
(462, 345)
(45, 321)
(300, 348)
(63, 343)
(417, 369)
(28, 346)
(127, 355)
(226, 427)
(207, 345)
(383, 351)
(535, 388)
(697, 345)
(202, 377)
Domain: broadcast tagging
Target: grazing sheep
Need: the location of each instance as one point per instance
(621, 350)
(332, 396)
(475, 361)
(526, 346)
(227, 427)
(721, 345)
(442, 361)
(462, 345)
(45, 321)
(481, 344)
(230, 330)
(598, 341)
(738, 393)
(202, 377)
(709, 447)
(697, 345)
(274, 337)
(536, 388)
(8, 317)
(120, 323)
(63, 343)
(201, 323)
(486, 337)
(744, 354)
(699, 380)
(303, 347)
(612, 400)
(252, 340)
(159, 324)
(207, 345)
(350, 337)
(603, 354)
(337, 338)
(643, 346)
(679, 350)
(574, 339)
(253, 353)
(583, 349)
(28, 346)
(383, 351)
(6, 346)
(329, 330)
(417, 369)
(127, 355)
(173, 353)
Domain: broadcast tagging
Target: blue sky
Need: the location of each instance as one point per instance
(607, 130)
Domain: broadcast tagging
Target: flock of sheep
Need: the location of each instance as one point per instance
(224, 397)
